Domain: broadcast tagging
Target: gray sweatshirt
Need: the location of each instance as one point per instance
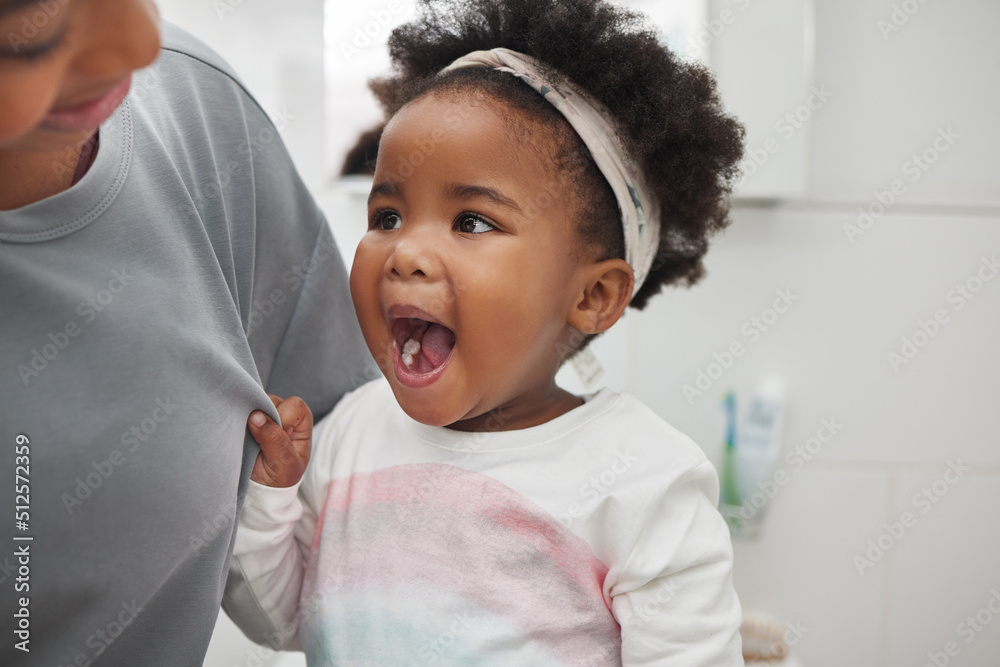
(144, 313)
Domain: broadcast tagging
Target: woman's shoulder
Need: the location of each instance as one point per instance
(179, 48)
(191, 91)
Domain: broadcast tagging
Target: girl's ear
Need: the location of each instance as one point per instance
(606, 293)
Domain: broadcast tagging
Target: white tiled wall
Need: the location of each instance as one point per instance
(900, 430)
(946, 571)
(801, 571)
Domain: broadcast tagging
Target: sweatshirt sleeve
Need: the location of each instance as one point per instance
(674, 596)
(273, 545)
(270, 561)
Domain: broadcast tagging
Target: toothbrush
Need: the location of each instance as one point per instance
(730, 488)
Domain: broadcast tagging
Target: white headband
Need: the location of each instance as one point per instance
(640, 213)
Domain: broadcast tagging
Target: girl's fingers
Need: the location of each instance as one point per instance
(284, 449)
(274, 442)
(295, 414)
(297, 419)
(278, 464)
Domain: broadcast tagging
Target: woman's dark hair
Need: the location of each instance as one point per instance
(667, 111)
(360, 159)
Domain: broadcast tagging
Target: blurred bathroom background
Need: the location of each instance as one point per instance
(857, 275)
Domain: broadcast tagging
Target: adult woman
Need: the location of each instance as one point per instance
(159, 261)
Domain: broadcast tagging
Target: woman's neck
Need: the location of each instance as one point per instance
(29, 176)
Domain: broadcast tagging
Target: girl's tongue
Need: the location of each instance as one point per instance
(437, 343)
(427, 348)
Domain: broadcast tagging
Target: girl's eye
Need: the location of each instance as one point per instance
(472, 224)
(387, 220)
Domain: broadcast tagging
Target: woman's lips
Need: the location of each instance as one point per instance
(89, 115)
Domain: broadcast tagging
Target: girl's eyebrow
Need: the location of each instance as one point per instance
(458, 191)
(385, 189)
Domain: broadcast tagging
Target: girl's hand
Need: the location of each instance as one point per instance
(284, 452)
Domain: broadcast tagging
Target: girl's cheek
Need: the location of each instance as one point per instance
(364, 270)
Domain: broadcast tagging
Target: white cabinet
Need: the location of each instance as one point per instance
(762, 54)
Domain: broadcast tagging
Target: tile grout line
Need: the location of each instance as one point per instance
(979, 210)
(887, 467)
(890, 508)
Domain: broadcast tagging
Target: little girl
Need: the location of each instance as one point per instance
(546, 163)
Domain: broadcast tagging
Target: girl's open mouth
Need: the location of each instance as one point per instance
(421, 349)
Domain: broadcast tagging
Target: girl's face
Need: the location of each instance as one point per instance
(66, 64)
(471, 250)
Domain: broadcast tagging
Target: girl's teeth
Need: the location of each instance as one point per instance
(408, 359)
(411, 347)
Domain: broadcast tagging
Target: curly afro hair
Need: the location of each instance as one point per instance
(667, 111)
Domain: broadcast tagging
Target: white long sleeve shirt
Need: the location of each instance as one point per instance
(592, 539)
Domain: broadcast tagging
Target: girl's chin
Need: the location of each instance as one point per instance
(428, 413)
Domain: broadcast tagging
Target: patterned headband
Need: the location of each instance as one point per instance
(640, 214)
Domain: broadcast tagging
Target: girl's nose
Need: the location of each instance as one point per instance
(415, 255)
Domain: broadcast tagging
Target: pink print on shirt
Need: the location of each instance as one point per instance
(433, 564)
